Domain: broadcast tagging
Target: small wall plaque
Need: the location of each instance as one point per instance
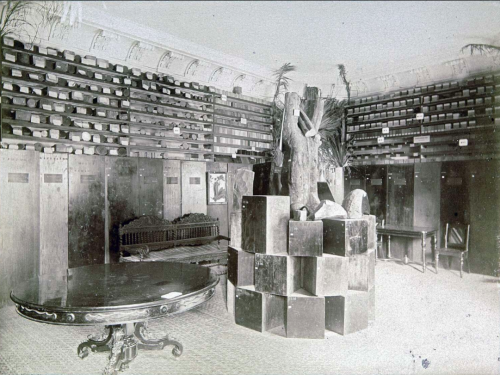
(50, 178)
(172, 180)
(22, 178)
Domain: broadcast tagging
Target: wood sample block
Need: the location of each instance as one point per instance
(371, 304)
(305, 316)
(326, 275)
(265, 223)
(235, 229)
(362, 271)
(347, 314)
(230, 298)
(259, 311)
(240, 266)
(344, 237)
(305, 238)
(371, 231)
(277, 274)
(356, 204)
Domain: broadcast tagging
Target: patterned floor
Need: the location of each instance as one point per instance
(426, 323)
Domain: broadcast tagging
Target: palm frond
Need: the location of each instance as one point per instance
(282, 81)
(481, 48)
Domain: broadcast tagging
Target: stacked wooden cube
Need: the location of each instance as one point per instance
(300, 278)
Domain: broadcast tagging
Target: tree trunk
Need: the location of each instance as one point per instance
(301, 157)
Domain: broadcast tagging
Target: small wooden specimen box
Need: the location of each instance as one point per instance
(305, 238)
(265, 223)
(347, 314)
(344, 237)
(277, 274)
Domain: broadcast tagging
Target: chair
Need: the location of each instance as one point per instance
(456, 244)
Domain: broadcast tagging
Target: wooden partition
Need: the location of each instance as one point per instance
(484, 200)
(150, 187)
(171, 189)
(194, 187)
(19, 218)
(53, 213)
(400, 204)
(376, 188)
(122, 197)
(86, 227)
(426, 204)
(355, 179)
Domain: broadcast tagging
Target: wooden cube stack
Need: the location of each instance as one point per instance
(300, 278)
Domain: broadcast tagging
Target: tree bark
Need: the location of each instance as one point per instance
(301, 158)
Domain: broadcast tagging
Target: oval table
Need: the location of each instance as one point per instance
(122, 297)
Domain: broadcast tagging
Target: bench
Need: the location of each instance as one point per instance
(150, 233)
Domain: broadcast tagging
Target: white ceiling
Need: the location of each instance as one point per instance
(371, 38)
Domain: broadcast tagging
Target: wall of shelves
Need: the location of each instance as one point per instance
(56, 101)
(455, 120)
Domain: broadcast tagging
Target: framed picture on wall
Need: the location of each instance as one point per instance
(217, 188)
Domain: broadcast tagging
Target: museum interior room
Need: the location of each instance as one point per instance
(224, 187)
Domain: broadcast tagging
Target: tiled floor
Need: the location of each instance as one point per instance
(426, 323)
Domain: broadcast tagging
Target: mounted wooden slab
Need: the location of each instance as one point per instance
(53, 213)
(19, 218)
(86, 227)
(171, 189)
(194, 187)
(265, 224)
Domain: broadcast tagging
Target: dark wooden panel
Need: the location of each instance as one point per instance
(277, 274)
(484, 183)
(305, 317)
(265, 224)
(326, 275)
(376, 188)
(362, 271)
(219, 211)
(400, 204)
(123, 197)
(172, 189)
(347, 314)
(249, 308)
(194, 187)
(240, 267)
(345, 237)
(426, 211)
(354, 180)
(19, 218)
(305, 238)
(86, 226)
(150, 187)
(263, 179)
(53, 213)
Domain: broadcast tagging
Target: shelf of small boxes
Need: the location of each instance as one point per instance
(443, 121)
(242, 127)
(56, 101)
(174, 115)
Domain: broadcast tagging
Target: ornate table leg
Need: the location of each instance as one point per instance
(423, 251)
(389, 247)
(95, 345)
(436, 254)
(156, 344)
(124, 341)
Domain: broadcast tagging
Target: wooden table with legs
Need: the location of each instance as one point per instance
(409, 232)
(122, 297)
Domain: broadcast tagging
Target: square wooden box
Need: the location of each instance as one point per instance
(305, 238)
(345, 237)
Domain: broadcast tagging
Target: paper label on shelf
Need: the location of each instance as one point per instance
(385, 130)
(380, 139)
(253, 148)
(177, 130)
(422, 139)
(233, 156)
(463, 142)
(243, 121)
(223, 98)
(171, 295)
(420, 116)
